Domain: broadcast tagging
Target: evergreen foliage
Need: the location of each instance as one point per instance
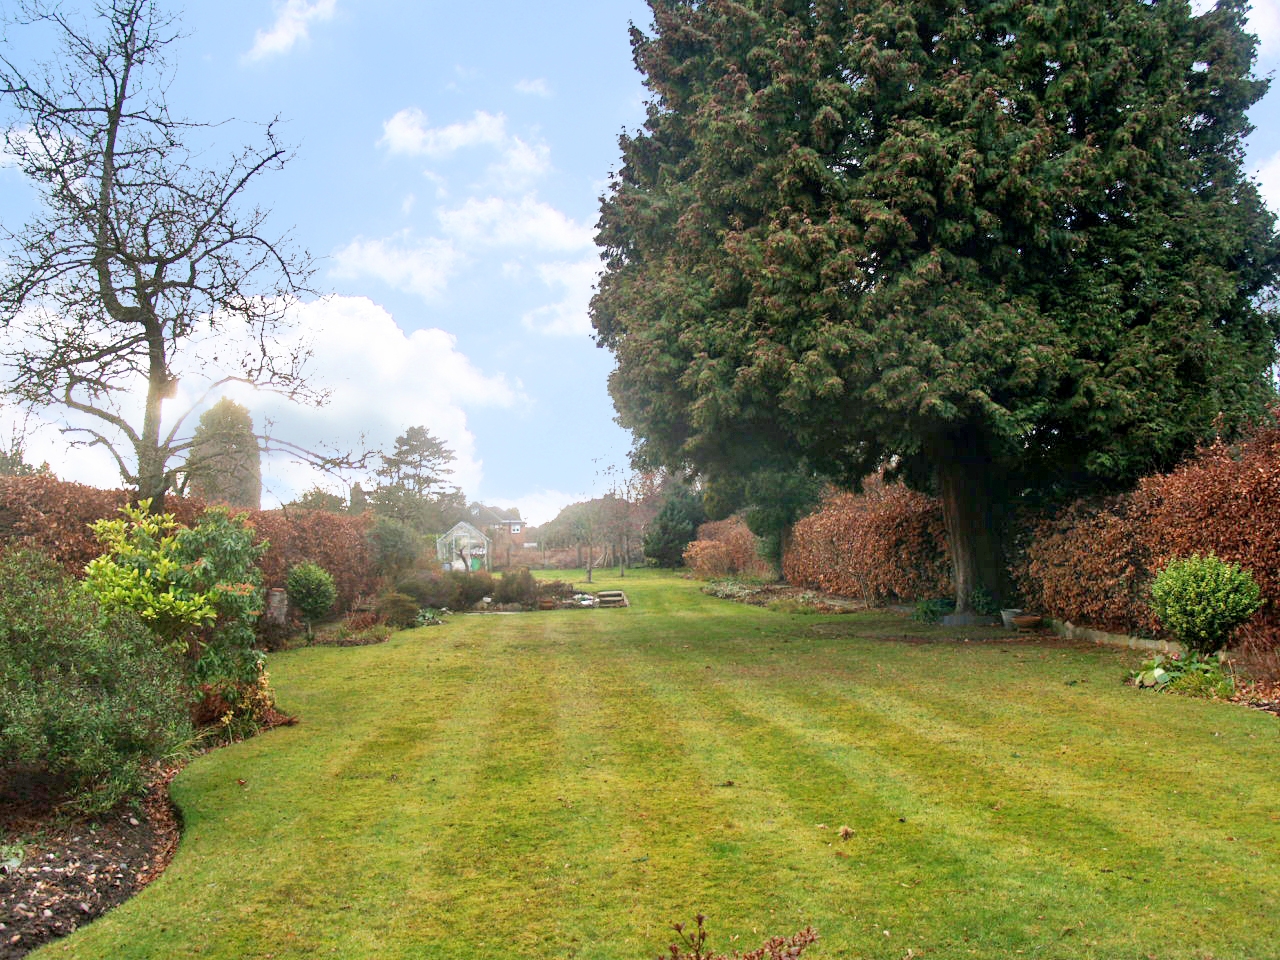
(1201, 600)
(1009, 249)
(198, 588)
(87, 698)
(778, 498)
(220, 555)
(675, 526)
(395, 546)
(414, 490)
(311, 590)
(225, 464)
(419, 462)
(318, 498)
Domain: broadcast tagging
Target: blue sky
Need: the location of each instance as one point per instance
(449, 163)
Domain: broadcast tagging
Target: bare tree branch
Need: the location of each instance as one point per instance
(137, 246)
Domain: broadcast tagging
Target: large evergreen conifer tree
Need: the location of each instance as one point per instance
(1006, 247)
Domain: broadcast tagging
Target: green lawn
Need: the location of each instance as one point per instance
(567, 784)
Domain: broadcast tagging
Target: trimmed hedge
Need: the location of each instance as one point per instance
(726, 548)
(1094, 562)
(887, 544)
(1091, 563)
(54, 515)
(337, 542)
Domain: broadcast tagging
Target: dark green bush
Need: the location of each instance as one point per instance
(395, 546)
(1201, 600)
(517, 586)
(675, 527)
(221, 554)
(431, 590)
(933, 610)
(472, 587)
(86, 699)
(311, 589)
(397, 610)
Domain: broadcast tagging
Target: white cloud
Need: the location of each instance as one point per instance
(381, 380)
(293, 22)
(537, 87)
(569, 315)
(1264, 20)
(408, 133)
(418, 266)
(526, 223)
(42, 441)
(521, 164)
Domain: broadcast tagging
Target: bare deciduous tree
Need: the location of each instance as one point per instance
(138, 250)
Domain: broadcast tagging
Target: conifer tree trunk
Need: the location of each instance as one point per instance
(966, 477)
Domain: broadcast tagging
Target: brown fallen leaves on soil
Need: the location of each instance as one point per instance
(75, 870)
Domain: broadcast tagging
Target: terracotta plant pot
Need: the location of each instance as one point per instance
(1007, 616)
(1027, 621)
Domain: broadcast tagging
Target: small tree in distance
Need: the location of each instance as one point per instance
(318, 498)
(675, 526)
(137, 250)
(311, 589)
(225, 464)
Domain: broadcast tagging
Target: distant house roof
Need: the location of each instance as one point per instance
(491, 517)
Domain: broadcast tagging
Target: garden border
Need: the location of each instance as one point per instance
(1070, 631)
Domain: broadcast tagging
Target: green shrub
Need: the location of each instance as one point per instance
(983, 603)
(87, 697)
(397, 610)
(395, 546)
(472, 587)
(517, 587)
(931, 611)
(311, 590)
(431, 589)
(675, 527)
(1201, 600)
(198, 588)
(429, 617)
(221, 561)
(452, 589)
(140, 570)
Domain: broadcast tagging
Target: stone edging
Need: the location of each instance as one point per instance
(1069, 630)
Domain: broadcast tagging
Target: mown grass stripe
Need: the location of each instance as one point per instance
(555, 786)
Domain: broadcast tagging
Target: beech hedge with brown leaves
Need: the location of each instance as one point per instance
(885, 545)
(726, 548)
(1093, 563)
(54, 515)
